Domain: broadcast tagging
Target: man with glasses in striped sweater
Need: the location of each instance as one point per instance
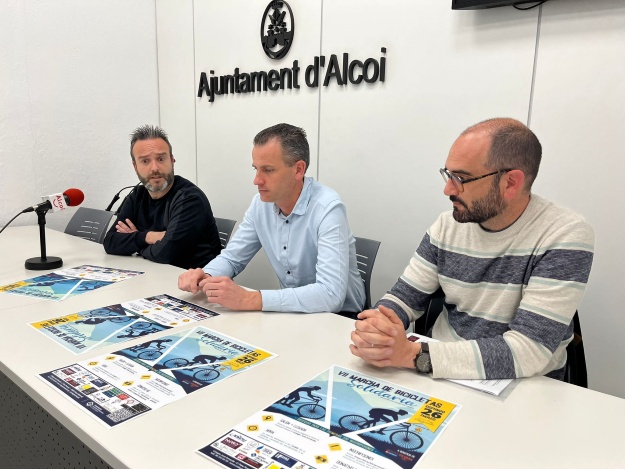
(513, 267)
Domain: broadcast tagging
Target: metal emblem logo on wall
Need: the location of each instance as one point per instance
(276, 30)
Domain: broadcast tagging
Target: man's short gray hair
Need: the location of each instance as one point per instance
(291, 138)
(148, 132)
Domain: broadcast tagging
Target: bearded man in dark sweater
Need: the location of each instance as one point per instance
(167, 219)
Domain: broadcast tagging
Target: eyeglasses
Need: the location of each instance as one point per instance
(459, 182)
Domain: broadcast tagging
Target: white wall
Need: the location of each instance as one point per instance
(176, 77)
(579, 114)
(381, 145)
(76, 78)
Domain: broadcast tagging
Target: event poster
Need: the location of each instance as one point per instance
(119, 386)
(96, 328)
(340, 419)
(62, 284)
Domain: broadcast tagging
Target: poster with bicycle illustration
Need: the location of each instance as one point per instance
(122, 385)
(340, 419)
(62, 284)
(95, 328)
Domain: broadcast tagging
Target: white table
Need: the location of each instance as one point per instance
(20, 243)
(538, 422)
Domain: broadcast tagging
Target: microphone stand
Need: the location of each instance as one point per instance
(43, 262)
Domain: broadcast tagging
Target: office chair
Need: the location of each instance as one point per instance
(424, 324)
(366, 252)
(575, 368)
(89, 223)
(225, 227)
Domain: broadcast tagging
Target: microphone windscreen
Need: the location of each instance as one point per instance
(76, 196)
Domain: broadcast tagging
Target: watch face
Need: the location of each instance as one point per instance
(424, 365)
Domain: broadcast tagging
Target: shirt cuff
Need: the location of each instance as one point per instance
(271, 300)
(218, 267)
(140, 240)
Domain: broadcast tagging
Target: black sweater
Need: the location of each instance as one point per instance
(191, 238)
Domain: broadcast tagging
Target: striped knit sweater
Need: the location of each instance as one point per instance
(510, 296)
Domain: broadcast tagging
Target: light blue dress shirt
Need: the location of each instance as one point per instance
(312, 251)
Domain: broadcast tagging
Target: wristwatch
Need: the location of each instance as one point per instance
(422, 361)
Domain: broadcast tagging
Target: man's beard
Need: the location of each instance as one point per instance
(489, 206)
(168, 179)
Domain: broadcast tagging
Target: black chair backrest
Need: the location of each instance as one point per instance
(575, 369)
(424, 324)
(366, 252)
(89, 223)
(225, 227)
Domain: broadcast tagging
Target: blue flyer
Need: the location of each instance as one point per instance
(63, 284)
(96, 328)
(339, 419)
(122, 385)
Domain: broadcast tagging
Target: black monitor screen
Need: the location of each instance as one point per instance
(477, 4)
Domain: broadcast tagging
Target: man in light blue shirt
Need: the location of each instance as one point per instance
(302, 226)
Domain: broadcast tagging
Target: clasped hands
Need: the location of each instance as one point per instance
(380, 340)
(220, 290)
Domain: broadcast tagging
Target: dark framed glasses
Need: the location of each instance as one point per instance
(459, 182)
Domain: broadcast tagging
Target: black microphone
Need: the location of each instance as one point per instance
(71, 197)
(116, 198)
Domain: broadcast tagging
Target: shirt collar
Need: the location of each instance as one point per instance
(304, 198)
